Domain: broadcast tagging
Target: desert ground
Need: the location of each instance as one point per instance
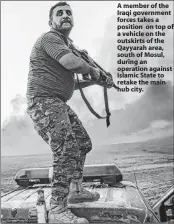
(151, 161)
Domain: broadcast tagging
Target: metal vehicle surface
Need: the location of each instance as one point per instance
(120, 201)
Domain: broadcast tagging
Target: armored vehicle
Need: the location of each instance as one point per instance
(120, 201)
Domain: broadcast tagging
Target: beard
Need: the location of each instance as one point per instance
(63, 27)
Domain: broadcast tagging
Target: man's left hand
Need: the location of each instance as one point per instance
(109, 82)
(106, 82)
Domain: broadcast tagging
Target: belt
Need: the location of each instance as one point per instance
(49, 97)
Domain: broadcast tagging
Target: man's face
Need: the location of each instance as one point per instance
(62, 18)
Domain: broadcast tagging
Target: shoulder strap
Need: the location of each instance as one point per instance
(90, 107)
(108, 114)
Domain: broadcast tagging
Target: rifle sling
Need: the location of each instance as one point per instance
(108, 114)
(90, 107)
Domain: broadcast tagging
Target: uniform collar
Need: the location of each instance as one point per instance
(56, 31)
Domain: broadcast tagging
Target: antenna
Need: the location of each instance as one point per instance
(146, 204)
(135, 180)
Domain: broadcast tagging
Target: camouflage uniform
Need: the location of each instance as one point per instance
(60, 127)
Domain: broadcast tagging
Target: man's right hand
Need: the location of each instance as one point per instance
(94, 73)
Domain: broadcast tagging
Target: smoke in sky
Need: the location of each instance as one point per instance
(133, 115)
(148, 117)
(153, 112)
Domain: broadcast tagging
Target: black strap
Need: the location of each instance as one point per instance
(91, 109)
(108, 114)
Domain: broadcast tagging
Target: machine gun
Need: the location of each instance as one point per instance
(105, 80)
(104, 75)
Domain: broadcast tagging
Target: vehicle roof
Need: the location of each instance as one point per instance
(121, 198)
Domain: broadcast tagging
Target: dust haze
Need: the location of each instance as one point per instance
(135, 117)
(151, 116)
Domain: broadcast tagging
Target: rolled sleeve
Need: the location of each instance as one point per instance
(54, 46)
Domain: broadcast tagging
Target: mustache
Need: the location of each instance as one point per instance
(66, 20)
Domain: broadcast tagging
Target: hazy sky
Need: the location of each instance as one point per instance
(22, 22)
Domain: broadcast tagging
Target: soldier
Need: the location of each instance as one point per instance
(50, 85)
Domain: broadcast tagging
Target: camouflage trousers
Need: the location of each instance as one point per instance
(60, 127)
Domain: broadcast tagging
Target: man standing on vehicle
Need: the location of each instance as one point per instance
(50, 85)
